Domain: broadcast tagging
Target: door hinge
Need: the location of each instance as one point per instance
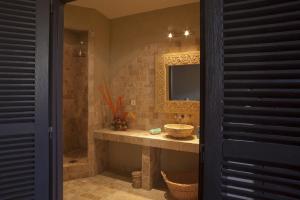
(202, 152)
(50, 130)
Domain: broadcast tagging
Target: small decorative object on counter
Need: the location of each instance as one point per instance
(120, 117)
(119, 124)
(136, 179)
(155, 131)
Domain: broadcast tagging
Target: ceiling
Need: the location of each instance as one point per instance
(120, 8)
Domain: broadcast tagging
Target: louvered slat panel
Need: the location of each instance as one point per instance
(261, 100)
(15, 85)
(14, 5)
(266, 65)
(254, 179)
(261, 11)
(17, 99)
(17, 166)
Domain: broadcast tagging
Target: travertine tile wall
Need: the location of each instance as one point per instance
(136, 81)
(135, 42)
(122, 54)
(75, 105)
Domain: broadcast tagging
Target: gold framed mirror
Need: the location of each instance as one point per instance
(163, 103)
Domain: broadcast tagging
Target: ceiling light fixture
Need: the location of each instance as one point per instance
(180, 34)
(187, 33)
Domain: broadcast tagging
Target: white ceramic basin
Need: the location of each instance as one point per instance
(179, 130)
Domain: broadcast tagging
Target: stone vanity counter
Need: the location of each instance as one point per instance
(144, 138)
(151, 148)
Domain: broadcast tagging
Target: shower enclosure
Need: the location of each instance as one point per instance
(75, 104)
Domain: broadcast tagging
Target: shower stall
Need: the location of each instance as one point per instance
(75, 104)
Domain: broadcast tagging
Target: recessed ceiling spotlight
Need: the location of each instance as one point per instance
(187, 33)
(170, 35)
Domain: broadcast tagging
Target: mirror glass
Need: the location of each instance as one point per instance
(184, 82)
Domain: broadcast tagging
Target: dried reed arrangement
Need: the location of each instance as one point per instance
(117, 109)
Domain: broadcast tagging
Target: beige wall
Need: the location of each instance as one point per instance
(98, 26)
(135, 42)
(125, 50)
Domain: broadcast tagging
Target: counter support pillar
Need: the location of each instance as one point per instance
(150, 166)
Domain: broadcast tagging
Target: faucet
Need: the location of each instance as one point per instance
(183, 118)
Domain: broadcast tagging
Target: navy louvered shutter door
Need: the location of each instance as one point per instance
(24, 138)
(252, 125)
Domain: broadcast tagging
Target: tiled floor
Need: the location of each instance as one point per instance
(107, 187)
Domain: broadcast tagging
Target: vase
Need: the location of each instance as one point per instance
(119, 124)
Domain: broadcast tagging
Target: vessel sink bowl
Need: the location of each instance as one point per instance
(179, 130)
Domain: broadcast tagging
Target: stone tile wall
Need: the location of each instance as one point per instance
(136, 81)
(122, 52)
(75, 90)
(135, 42)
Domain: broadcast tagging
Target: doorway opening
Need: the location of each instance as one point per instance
(103, 52)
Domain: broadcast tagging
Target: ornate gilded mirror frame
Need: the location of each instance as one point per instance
(162, 102)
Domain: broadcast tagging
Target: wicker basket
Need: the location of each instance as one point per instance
(136, 179)
(182, 186)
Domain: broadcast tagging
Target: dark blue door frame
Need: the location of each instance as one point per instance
(56, 75)
(57, 26)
